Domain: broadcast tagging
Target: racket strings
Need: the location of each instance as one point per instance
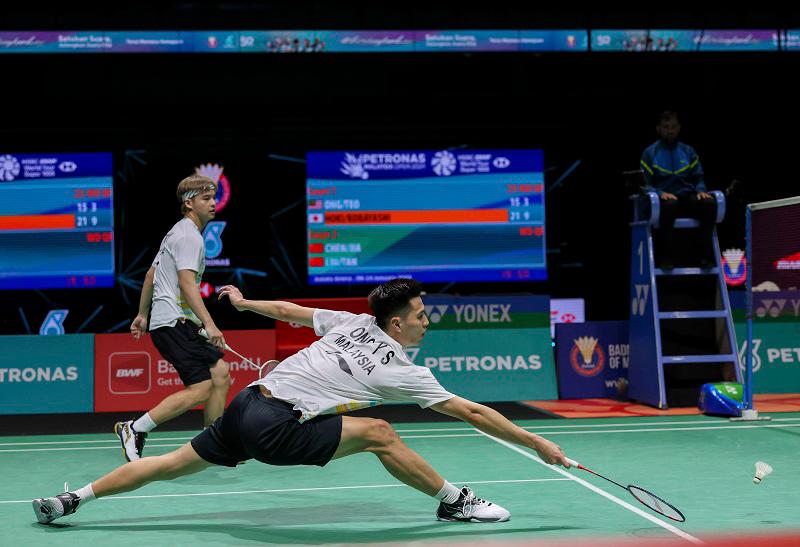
(656, 503)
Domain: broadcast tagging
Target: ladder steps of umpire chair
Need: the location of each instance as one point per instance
(687, 271)
(686, 223)
(652, 331)
(718, 358)
(707, 314)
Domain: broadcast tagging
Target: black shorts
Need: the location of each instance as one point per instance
(267, 429)
(190, 354)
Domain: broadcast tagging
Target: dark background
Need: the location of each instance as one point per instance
(738, 110)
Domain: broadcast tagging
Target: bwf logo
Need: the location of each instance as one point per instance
(639, 302)
(129, 372)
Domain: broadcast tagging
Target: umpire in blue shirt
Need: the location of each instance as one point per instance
(673, 170)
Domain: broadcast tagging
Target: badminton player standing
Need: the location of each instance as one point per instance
(177, 315)
(293, 415)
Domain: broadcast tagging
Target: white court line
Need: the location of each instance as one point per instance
(80, 448)
(284, 490)
(603, 493)
(549, 433)
(113, 441)
(567, 426)
(437, 430)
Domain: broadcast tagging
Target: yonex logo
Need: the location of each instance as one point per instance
(639, 302)
(435, 313)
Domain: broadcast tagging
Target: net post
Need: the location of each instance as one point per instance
(748, 412)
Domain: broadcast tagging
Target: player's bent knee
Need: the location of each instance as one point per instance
(201, 391)
(220, 375)
(381, 434)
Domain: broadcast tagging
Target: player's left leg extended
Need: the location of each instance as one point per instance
(132, 475)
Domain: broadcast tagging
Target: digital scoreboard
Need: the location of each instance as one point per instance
(56, 221)
(433, 215)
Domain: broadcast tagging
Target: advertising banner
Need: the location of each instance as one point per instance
(592, 358)
(130, 375)
(46, 374)
(489, 348)
(776, 355)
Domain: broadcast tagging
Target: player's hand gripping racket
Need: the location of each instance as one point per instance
(657, 504)
(263, 370)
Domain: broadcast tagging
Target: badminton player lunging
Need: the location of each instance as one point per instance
(178, 313)
(293, 415)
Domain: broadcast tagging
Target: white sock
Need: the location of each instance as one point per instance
(145, 424)
(86, 493)
(448, 493)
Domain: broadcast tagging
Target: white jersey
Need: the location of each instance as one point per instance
(181, 249)
(354, 365)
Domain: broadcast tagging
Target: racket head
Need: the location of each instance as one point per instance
(656, 503)
(267, 367)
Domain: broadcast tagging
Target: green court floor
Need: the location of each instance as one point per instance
(702, 465)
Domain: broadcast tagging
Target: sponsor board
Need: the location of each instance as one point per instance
(776, 355)
(46, 374)
(130, 375)
(593, 358)
(487, 312)
(490, 364)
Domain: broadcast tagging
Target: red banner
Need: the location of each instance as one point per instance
(130, 375)
(292, 338)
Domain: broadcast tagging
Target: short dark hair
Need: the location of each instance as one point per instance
(668, 115)
(388, 299)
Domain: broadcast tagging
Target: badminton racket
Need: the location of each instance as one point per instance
(645, 497)
(263, 370)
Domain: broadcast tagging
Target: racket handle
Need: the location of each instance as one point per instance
(204, 334)
(573, 463)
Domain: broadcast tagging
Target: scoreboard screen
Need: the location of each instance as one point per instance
(56, 221)
(432, 215)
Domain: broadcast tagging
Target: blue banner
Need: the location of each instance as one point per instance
(46, 374)
(38, 167)
(398, 164)
(592, 358)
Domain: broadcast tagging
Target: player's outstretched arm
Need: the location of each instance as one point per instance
(495, 424)
(276, 309)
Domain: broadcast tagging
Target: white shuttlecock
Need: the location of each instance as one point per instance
(762, 470)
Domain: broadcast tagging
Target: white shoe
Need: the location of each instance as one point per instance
(49, 509)
(132, 442)
(468, 508)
